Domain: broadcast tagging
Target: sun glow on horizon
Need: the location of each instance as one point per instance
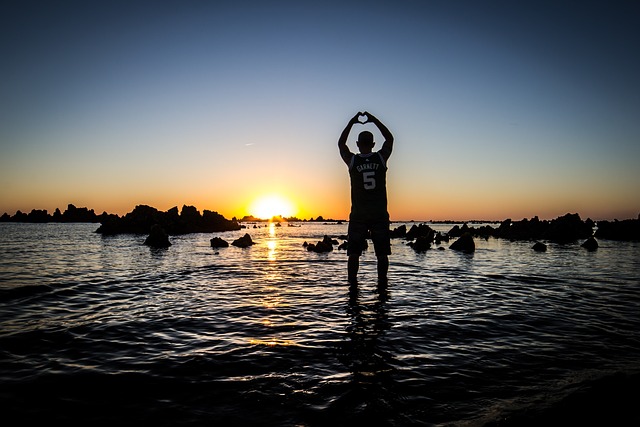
(269, 206)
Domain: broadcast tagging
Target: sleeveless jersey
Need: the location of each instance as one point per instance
(368, 174)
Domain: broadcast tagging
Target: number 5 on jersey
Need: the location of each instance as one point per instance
(369, 179)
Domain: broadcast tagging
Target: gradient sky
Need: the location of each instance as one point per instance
(499, 109)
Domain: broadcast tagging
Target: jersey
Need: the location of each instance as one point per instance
(368, 173)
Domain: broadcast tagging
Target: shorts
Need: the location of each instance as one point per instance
(378, 232)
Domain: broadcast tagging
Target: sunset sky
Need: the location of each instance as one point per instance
(500, 109)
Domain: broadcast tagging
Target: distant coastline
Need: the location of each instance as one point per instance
(189, 220)
(86, 215)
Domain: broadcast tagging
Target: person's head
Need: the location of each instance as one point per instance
(365, 142)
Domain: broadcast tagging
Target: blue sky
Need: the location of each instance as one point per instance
(499, 109)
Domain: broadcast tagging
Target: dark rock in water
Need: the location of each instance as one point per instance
(344, 246)
(564, 229)
(422, 230)
(464, 243)
(325, 245)
(457, 231)
(157, 238)
(400, 231)
(243, 242)
(539, 247)
(421, 244)
(522, 230)
(217, 242)
(626, 230)
(439, 238)
(568, 228)
(591, 244)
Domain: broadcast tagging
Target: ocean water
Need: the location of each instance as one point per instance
(106, 331)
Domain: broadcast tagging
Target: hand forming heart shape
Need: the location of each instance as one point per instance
(363, 118)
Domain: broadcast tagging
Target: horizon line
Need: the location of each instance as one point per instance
(5, 217)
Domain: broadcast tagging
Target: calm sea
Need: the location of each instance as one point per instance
(106, 331)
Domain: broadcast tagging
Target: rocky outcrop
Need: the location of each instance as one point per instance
(421, 244)
(464, 243)
(189, 220)
(400, 231)
(591, 244)
(564, 229)
(72, 214)
(325, 245)
(539, 247)
(421, 230)
(243, 242)
(568, 228)
(422, 236)
(218, 242)
(626, 230)
(157, 238)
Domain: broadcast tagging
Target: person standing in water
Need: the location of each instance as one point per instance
(369, 215)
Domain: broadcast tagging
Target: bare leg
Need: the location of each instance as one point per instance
(383, 268)
(352, 268)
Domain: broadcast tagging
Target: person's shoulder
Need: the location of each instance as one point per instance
(347, 157)
(384, 153)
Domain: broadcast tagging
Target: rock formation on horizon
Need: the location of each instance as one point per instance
(189, 220)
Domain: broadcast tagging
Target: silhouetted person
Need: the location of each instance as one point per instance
(369, 216)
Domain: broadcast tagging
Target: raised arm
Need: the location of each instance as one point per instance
(387, 146)
(345, 153)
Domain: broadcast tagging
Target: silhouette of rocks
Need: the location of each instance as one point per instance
(157, 238)
(564, 229)
(539, 247)
(525, 229)
(72, 214)
(439, 238)
(423, 235)
(422, 230)
(568, 228)
(400, 231)
(218, 242)
(457, 231)
(591, 244)
(464, 243)
(626, 230)
(243, 242)
(421, 244)
(38, 216)
(143, 217)
(325, 245)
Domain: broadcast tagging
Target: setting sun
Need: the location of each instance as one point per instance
(266, 207)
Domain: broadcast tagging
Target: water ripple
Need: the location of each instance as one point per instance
(192, 335)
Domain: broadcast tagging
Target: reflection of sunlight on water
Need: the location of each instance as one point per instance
(272, 342)
(271, 246)
(272, 243)
(271, 299)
